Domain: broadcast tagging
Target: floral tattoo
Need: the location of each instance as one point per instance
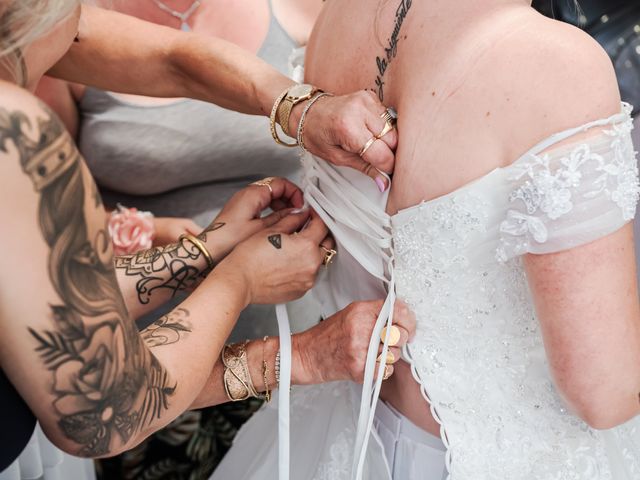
(106, 384)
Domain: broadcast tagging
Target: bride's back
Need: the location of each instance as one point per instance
(475, 84)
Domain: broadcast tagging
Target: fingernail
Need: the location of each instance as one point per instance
(299, 210)
(381, 185)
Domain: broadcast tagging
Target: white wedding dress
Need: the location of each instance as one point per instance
(478, 353)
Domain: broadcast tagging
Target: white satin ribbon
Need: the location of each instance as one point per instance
(284, 394)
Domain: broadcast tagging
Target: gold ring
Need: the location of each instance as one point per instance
(366, 146)
(394, 335)
(389, 115)
(387, 372)
(265, 182)
(329, 253)
(388, 126)
(391, 358)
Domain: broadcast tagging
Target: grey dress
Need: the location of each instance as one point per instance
(185, 159)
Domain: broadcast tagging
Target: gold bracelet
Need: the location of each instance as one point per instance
(196, 242)
(265, 372)
(237, 377)
(272, 120)
(303, 117)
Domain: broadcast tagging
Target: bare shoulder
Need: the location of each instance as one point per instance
(14, 98)
(567, 78)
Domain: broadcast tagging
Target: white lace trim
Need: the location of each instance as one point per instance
(549, 193)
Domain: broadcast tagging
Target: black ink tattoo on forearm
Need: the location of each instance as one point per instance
(106, 384)
(168, 329)
(391, 50)
(171, 268)
(275, 240)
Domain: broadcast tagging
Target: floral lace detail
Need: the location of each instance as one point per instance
(338, 460)
(553, 186)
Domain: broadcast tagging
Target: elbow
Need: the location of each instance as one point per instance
(60, 441)
(607, 414)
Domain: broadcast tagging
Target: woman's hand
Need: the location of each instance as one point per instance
(337, 128)
(169, 229)
(241, 216)
(336, 348)
(280, 263)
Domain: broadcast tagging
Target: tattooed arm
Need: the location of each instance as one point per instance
(68, 343)
(151, 277)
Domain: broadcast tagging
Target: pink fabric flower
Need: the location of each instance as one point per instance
(131, 230)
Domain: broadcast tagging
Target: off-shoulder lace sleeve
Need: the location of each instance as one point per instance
(573, 194)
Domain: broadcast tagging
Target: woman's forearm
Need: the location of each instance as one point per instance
(149, 278)
(196, 330)
(153, 60)
(258, 351)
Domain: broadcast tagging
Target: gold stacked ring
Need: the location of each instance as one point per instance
(367, 145)
(389, 122)
(389, 360)
(387, 372)
(394, 335)
(265, 182)
(329, 253)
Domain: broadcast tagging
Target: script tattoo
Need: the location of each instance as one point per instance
(107, 386)
(167, 329)
(391, 50)
(275, 240)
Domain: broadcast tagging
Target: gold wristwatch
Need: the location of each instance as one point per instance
(295, 95)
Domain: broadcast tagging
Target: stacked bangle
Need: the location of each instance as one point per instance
(237, 378)
(272, 120)
(303, 117)
(196, 242)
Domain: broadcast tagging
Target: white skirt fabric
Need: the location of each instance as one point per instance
(41, 459)
(323, 428)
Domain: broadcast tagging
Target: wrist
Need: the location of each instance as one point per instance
(294, 118)
(235, 280)
(302, 371)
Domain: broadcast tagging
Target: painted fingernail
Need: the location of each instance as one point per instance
(381, 185)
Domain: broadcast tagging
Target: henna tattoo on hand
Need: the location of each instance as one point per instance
(107, 386)
(275, 240)
(168, 329)
(391, 50)
(169, 268)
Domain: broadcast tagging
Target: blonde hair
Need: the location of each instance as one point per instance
(22, 22)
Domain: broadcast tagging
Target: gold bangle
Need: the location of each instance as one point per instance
(237, 378)
(303, 117)
(265, 372)
(272, 120)
(234, 383)
(196, 242)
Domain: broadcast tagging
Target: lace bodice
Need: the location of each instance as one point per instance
(456, 260)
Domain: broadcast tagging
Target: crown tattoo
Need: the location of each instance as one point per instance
(43, 159)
